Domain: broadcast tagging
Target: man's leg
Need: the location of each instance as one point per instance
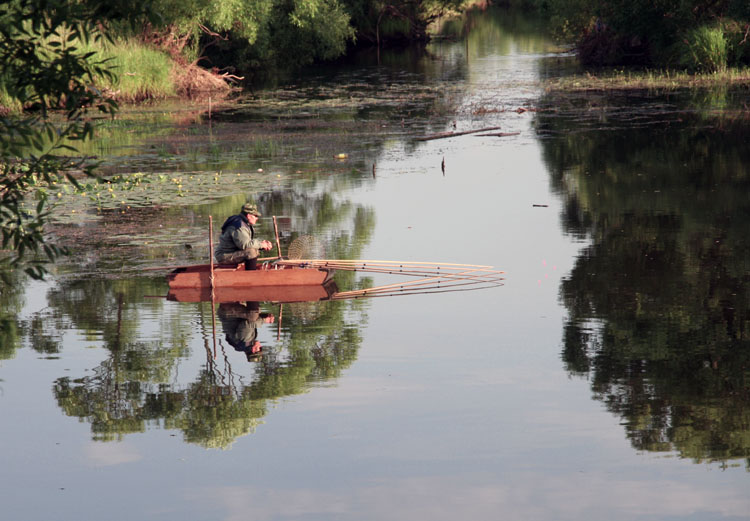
(248, 256)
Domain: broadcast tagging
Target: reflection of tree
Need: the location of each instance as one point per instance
(659, 304)
(131, 389)
(11, 302)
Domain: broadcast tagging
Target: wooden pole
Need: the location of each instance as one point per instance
(278, 326)
(211, 277)
(211, 248)
(213, 319)
(276, 231)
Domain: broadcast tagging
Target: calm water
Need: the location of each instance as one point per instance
(607, 379)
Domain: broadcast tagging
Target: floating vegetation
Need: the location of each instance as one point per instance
(123, 192)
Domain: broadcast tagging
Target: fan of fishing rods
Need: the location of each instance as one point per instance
(426, 277)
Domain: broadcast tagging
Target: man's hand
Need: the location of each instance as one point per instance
(266, 245)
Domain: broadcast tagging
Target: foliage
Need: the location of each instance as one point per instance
(738, 43)
(704, 49)
(378, 21)
(647, 32)
(44, 69)
(245, 34)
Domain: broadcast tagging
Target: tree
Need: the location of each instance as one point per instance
(673, 33)
(45, 71)
(377, 21)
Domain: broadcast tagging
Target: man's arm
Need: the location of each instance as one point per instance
(244, 241)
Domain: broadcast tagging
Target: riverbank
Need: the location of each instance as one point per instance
(144, 72)
(623, 80)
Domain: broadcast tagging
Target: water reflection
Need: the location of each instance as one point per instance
(659, 303)
(158, 383)
(240, 322)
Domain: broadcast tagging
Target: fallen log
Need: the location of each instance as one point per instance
(443, 135)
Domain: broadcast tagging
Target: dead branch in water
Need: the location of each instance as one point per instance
(443, 135)
(499, 134)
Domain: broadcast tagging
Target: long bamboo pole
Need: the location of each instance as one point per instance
(413, 283)
(416, 273)
(367, 261)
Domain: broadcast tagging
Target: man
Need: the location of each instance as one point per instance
(237, 242)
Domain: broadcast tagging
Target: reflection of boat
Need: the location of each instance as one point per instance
(299, 293)
(235, 276)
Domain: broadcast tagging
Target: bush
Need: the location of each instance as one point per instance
(704, 49)
(738, 41)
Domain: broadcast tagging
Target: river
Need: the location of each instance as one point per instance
(607, 378)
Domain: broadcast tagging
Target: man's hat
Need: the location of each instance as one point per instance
(251, 209)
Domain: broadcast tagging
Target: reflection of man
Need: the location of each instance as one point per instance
(240, 322)
(237, 242)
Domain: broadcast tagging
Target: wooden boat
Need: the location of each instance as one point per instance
(235, 276)
(283, 294)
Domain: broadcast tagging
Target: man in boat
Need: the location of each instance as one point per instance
(240, 321)
(237, 242)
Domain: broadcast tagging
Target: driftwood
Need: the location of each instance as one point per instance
(499, 134)
(443, 135)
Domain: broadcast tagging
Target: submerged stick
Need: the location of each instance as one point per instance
(499, 134)
(276, 231)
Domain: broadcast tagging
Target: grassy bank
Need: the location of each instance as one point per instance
(142, 72)
(621, 79)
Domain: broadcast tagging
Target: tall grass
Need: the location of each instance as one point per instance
(7, 102)
(142, 72)
(666, 79)
(705, 50)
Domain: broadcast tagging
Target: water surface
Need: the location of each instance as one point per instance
(606, 379)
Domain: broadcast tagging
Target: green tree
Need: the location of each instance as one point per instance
(248, 34)
(379, 21)
(671, 33)
(44, 70)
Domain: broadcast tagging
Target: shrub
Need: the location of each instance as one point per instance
(705, 49)
(738, 42)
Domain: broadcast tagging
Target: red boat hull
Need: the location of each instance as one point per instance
(199, 276)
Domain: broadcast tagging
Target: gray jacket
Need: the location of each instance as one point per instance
(237, 234)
